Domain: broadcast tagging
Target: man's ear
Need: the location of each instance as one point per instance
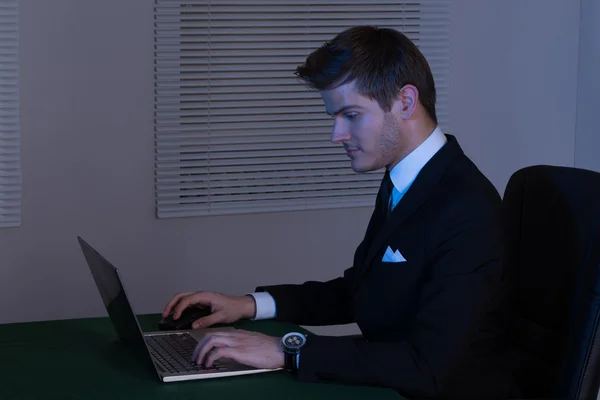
(407, 101)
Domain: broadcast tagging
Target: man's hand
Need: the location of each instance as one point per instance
(224, 309)
(248, 348)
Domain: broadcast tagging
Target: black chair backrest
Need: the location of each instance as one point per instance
(553, 243)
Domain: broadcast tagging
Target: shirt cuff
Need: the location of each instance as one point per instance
(265, 305)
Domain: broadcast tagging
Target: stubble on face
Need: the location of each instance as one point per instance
(390, 140)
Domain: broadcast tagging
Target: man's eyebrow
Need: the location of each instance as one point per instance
(341, 110)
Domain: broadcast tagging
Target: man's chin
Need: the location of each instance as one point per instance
(359, 168)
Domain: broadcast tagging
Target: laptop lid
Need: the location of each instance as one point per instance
(115, 299)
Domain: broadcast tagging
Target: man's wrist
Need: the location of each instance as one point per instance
(249, 307)
(281, 354)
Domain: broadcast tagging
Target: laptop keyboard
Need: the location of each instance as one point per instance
(174, 352)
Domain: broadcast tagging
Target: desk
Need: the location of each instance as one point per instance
(83, 359)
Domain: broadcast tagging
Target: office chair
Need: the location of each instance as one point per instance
(552, 217)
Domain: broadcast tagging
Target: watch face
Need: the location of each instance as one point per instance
(294, 340)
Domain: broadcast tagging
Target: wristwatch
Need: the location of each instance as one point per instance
(291, 344)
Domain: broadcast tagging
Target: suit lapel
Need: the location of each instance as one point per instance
(375, 222)
(414, 198)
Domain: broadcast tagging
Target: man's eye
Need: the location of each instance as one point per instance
(350, 116)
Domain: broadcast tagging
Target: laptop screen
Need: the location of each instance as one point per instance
(114, 297)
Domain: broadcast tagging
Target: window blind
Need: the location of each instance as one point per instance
(235, 130)
(10, 158)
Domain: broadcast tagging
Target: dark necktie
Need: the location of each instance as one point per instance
(386, 191)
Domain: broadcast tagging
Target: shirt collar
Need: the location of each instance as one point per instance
(405, 172)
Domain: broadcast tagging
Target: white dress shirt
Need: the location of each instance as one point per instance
(402, 175)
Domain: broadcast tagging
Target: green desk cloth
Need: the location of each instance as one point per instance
(83, 359)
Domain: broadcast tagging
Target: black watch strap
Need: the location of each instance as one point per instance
(289, 361)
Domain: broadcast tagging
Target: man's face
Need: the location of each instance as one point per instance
(371, 137)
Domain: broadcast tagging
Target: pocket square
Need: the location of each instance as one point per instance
(393, 256)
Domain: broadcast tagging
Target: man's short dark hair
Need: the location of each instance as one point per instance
(381, 60)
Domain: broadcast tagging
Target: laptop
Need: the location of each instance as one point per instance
(169, 352)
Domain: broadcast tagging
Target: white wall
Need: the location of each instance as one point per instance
(587, 139)
(513, 83)
(87, 151)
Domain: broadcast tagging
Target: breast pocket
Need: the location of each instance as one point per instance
(387, 262)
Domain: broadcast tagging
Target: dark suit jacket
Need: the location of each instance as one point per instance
(433, 325)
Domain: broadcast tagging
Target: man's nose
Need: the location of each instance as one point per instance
(339, 134)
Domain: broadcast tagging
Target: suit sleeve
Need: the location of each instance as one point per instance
(320, 303)
(463, 283)
(313, 303)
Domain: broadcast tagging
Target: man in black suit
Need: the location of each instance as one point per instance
(428, 286)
